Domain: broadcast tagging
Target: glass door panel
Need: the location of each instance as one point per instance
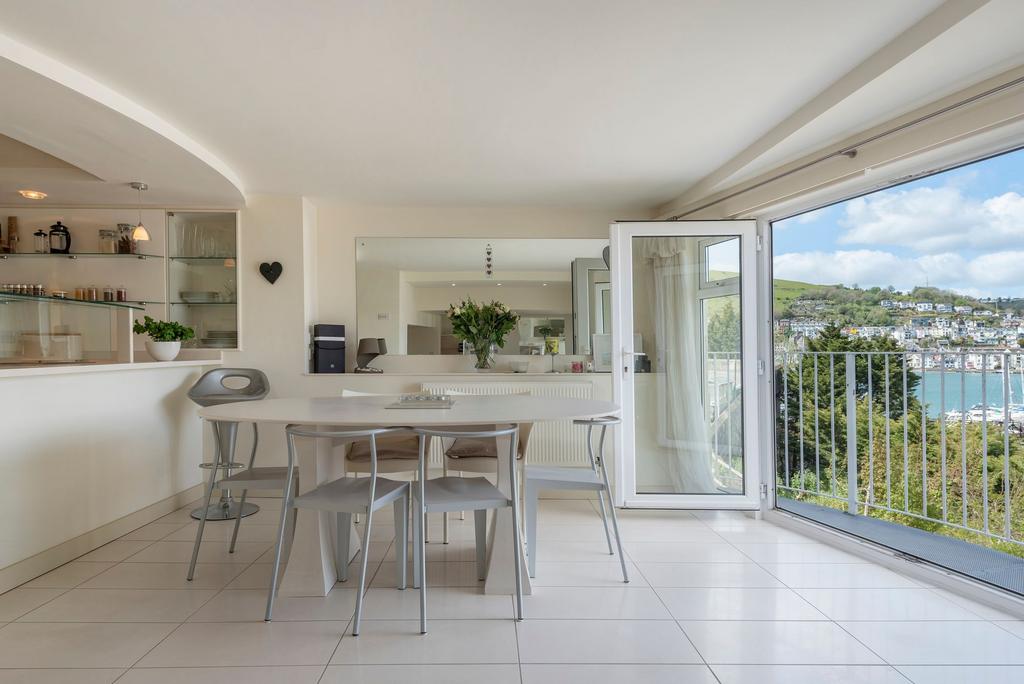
(683, 296)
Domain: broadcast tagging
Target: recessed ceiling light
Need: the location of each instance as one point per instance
(453, 284)
(544, 284)
(499, 284)
(32, 194)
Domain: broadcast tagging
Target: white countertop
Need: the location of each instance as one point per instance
(70, 369)
(462, 374)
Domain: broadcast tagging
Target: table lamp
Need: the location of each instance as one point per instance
(369, 349)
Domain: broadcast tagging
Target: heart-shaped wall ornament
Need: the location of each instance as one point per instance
(271, 271)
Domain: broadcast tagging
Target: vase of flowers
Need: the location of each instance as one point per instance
(483, 326)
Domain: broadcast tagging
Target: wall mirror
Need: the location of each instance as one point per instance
(559, 287)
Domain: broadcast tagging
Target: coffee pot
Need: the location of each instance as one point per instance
(60, 239)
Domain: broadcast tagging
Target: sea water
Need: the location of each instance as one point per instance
(973, 393)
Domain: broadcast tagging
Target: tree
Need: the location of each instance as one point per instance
(724, 329)
(797, 380)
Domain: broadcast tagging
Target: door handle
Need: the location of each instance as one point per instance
(626, 352)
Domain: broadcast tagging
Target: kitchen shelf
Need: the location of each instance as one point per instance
(202, 260)
(11, 296)
(80, 255)
(204, 303)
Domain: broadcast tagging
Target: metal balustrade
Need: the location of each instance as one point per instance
(723, 413)
(859, 430)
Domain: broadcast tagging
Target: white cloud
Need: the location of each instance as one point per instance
(1000, 269)
(932, 220)
(985, 275)
(862, 266)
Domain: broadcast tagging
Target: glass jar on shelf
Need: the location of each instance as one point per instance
(125, 243)
(108, 294)
(108, 241)
(41, 242)
(122, 293)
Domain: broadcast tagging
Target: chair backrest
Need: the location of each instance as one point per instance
(211, 389)
(353, 393)
(524, 429)
(601, 420)
(298, 430)
(457, 432)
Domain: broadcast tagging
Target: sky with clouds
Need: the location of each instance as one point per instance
(961, 230)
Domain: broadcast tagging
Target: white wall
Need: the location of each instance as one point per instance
(82, 450)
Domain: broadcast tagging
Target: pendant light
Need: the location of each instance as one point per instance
(139, 232)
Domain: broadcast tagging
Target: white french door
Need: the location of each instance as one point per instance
(684, 363)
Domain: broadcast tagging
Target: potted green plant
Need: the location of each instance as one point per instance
(484, 326)
(550, 339)
(164, 337)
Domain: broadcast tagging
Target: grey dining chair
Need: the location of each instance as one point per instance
(345, 497)
(446, 494)
(594, 478)
(395, 453)
(467, 455)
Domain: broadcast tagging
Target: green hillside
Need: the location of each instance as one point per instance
(788, 290)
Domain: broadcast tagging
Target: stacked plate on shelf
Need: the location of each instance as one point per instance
(199, 296)
(220, 339)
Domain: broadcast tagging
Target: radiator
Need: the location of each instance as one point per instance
(551, 442)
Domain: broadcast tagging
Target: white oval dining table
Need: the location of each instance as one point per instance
(310, 570)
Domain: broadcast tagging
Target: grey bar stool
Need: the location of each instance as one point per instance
(448, 494)
(344, 497)
(211, 390)
(595, 478)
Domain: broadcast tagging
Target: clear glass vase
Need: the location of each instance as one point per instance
(484, 356)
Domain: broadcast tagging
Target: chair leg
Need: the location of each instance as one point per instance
(462, 514)
(444, 515)
(417, 532)
(481, 543)
(362, 574)
(343, 541)
(206, 506)
(531, 527)
(604, 519)
(517, 543)
(285, 506)
(241, 503)
(517, 558)
(611, 504)
(402, 538)
(238, 521)
(618, 537)
(422, 572)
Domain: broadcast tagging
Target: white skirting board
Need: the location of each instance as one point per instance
(42, 563)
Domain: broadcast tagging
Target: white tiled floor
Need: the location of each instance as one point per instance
(713, 598)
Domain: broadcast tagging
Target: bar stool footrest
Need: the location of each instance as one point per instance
(218, 511)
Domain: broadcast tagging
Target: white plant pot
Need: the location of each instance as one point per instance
(163, 351)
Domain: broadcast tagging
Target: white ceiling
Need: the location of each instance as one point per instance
(587, 103)
(984, 44)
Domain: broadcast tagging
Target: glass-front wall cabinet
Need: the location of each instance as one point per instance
(202, 276)
(185, 272)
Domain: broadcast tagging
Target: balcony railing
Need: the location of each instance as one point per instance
(723, 413)
(927, 439)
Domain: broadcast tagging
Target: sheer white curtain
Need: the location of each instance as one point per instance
(676, 312)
